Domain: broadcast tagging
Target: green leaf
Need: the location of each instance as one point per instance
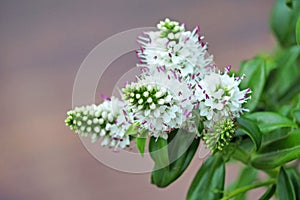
(269, 121)
(298, 31)
(255, 72)
(209, 180)
(158, 148)
(141, 143)
(269, 193)
(284, 186)
(270, 62)
(278, 152)
(285, 110)
(296, 115)
(132, 129)
(246, 177)
(285, 77)
(198, 121)
(283, 22)
(250, 128)
(295, 179)
(295, 108)
(180, 150)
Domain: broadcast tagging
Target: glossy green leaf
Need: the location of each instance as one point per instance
(294, 175)
(198, 121)
(141, 140)
(209, 180)
(180, 149)
(283, 21)
(270, 62)
(255, 78)
(158, 148)
(250, 128)
(285, 110)
(284, 186)
(296, 115)
(141, 143)
(269, 193)
(295, 108)
(269, 121)
(278, 152)
(298, 31)
(286, 77)
(246, 177)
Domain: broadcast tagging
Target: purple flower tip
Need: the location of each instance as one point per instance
(104, 97)
(198, 29)
(186, 39)
(228, 68)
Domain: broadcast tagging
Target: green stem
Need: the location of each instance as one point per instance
(241, 155)
(246, 188)
(272, 172)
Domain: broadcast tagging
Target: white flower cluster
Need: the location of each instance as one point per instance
(178, 85)
(220, 102)
(219, 97)
(160, 102)
(173, 47)
(101, 121)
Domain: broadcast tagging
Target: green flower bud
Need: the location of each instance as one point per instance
(220, 136)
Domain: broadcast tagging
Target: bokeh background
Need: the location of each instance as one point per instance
(42, 44)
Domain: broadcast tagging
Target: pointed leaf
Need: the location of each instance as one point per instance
(250, 128)
(278, 152)
(209, 180)
(158, 148)
(277, 88)
(140, 143)
(284, 186)
(180, 149)
(132, 129)
(141, 140)
(269, 121)
(269, 193)
(255, 78)
(298, 31)
(294, 175)
(283, 21)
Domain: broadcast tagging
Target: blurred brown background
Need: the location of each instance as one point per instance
(42, 44)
